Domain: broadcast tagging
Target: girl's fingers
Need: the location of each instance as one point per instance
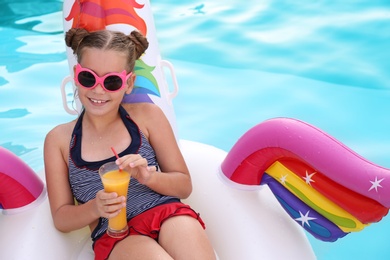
(132, 160)
(115, 200)
(112, 208)
(109, 204)
(152, 168)
(102, 195)
(111, 215)
(136, 163)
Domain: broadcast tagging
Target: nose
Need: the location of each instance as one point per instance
(99, 88)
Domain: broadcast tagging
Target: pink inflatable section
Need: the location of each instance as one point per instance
(316, 148)
(19, 185)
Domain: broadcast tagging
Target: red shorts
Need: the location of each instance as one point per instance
(147, 223)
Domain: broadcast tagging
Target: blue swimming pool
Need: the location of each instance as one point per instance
(238, 63)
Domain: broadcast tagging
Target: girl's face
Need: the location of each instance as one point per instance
(98, 100)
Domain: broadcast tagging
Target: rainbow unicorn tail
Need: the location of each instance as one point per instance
(322, 184)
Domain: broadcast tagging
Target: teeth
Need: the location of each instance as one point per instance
(98, 101)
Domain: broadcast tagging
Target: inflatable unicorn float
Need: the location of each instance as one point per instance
(281, 165)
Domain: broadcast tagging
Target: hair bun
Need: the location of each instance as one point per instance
(74, 36)
(140, 43)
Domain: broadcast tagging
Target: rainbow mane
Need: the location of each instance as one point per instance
(94, 15)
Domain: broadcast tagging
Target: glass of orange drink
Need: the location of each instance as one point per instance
(115, 180)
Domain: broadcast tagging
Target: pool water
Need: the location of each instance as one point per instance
(238, 63)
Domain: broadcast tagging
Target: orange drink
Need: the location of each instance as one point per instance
(117, 181)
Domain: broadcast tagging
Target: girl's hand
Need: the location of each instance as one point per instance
(108, 205)
(137, 166)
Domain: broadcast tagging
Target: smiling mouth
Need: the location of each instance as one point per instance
(96, 101)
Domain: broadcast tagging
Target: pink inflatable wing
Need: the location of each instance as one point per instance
(338, 177)
(19, 185)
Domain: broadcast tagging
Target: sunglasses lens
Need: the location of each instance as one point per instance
(113, 83)
(87, 79)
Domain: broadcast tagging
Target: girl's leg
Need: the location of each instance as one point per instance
(136, 247)
(184, 238)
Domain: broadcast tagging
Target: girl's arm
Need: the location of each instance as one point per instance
(66, 215)
(174, 178)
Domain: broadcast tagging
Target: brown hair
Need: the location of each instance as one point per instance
(135, 44)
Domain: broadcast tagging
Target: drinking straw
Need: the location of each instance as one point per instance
(116, 155)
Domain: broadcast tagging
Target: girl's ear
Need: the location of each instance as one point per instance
(130, 83)
(74, 74)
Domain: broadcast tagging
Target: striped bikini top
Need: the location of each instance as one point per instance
(85, 181)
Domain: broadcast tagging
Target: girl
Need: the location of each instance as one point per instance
(160, 226)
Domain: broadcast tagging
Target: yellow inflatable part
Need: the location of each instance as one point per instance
(340, 217)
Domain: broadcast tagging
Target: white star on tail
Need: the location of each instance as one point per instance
(304, 218)
(283, 179)
(308, 178)
(376, 184)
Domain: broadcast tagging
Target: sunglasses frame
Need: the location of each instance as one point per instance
(100, 80)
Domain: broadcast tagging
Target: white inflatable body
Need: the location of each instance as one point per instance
(241, 224)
